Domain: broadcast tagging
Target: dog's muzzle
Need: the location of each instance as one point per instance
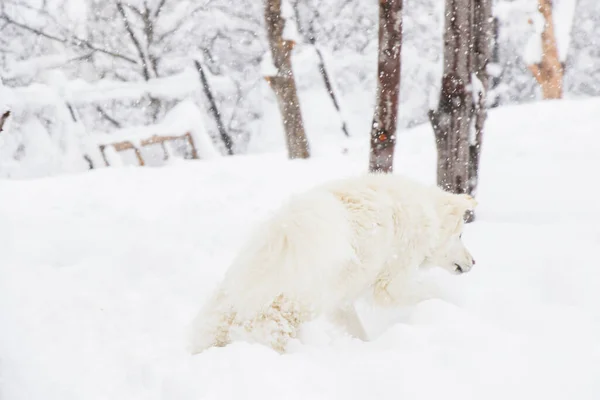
(461, 269)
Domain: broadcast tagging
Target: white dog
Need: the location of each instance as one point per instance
(326, 248)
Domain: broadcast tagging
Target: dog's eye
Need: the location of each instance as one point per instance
(460, 236)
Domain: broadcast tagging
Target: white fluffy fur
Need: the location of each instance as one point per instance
(326, 248)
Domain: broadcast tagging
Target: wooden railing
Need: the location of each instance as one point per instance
(156, 139)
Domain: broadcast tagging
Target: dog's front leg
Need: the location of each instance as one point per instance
(347, 317)
(406, 291)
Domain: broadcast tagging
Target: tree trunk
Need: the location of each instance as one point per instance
(283, 83)
(452, 119)
(549, 72)
(461, 113)
(483, 36)
(385, 118)
(495, 59)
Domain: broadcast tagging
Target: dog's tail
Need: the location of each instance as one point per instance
(299, 252)
(211, 326)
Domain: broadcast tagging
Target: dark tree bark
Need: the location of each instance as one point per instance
(283, 83)
(213, 109)
(483, 36)
(452, 119)
(385, 118)
(459, 119)
(3, 119)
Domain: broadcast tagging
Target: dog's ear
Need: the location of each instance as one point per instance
(457, 206)
(469, 206)
(468, 202)
(460, 203)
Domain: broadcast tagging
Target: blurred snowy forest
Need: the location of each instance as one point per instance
(79, 73)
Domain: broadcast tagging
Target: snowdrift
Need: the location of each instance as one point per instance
(101, 273)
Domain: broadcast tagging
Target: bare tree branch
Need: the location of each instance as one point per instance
(134, 9)
(149, 32)
(36, 31)
(168, 33)
(159, 8)
(107, 117)
(214, 109)
(134, 39)
(74, 40)
(308, 33)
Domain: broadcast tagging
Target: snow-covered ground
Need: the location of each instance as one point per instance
(101, 273)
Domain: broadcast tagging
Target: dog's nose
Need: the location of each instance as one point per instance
(473, 261)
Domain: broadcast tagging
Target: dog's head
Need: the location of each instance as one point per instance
(450, 252)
